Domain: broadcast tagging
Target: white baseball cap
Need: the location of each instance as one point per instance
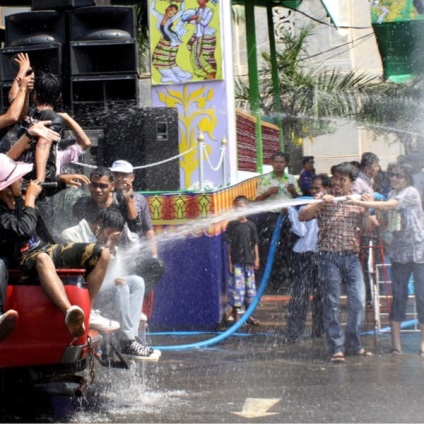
(122, 166)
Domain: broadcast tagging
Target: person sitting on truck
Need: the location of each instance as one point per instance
(22, 245)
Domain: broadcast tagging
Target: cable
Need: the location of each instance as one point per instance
(328, 24)
(250, 309)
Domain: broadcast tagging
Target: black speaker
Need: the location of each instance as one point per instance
(144, 137)
(92, 96)
(26, 29)
(103, 57)
(43, 57)
(60, 4)
(102, 23)
(102, 40)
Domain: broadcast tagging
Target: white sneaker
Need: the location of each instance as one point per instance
(100, 323)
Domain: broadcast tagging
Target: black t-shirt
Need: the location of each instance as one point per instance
(242, 238)
(58, 125)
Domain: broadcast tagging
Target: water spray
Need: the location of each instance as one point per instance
(250, 309)
(233, 214)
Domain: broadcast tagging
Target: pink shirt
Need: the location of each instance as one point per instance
(70, 154)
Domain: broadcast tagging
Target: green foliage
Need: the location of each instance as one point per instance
(313, 98)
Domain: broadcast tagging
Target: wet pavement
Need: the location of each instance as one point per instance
(252, 376)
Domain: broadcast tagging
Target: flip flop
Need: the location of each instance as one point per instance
(338, 358)
(364, 352)
(396, 352)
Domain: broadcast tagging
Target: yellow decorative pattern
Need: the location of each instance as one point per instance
(194, 115)
(169, 211)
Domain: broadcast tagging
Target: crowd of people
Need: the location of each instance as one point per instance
(112, 219)
(359, 202)
(327, 235)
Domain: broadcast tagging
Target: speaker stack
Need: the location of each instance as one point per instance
(41, 35)
(103, 56)
(92, 48)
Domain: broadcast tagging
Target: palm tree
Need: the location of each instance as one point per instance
(312, 99)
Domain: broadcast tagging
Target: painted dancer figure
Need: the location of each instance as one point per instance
(164, 57)
(203, 42)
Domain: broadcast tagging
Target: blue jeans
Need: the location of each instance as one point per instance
(333, 270)
(400, 280)
(129, 301)
(124, 303)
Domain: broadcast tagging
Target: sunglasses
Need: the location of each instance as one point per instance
(395, 175)
(102, 186)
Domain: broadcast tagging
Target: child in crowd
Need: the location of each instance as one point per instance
(243, 259)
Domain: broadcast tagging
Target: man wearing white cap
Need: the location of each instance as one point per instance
(21, 246)
(134, 205)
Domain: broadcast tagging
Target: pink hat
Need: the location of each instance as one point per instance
(10, 171)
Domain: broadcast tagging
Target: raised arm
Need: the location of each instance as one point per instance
(82, 138)
(17, 108)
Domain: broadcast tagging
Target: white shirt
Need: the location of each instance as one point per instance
(306, 230)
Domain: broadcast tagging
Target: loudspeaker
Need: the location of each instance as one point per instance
(102, 23)
(43, 57)
(26, 29)
(144, 137)
(60, 4)
(91, 96)
(103, 57)
(102, 40)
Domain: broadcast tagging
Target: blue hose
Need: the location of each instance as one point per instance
(250, 309)
(404, 324)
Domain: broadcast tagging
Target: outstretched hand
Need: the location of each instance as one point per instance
(40, 129)
(74, 180)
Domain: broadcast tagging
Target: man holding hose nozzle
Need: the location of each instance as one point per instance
(338, 262)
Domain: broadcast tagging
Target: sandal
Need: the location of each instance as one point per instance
(364, 352)
(338, 358)
(396, 352)
(253, 321)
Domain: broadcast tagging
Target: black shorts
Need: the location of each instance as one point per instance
(68, 255)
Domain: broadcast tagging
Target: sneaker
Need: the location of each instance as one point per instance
(155, 352)
(74, 320)
(138, 351)
(8, 323)
(100, 323)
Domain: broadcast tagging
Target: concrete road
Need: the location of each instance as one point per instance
(250, 377)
